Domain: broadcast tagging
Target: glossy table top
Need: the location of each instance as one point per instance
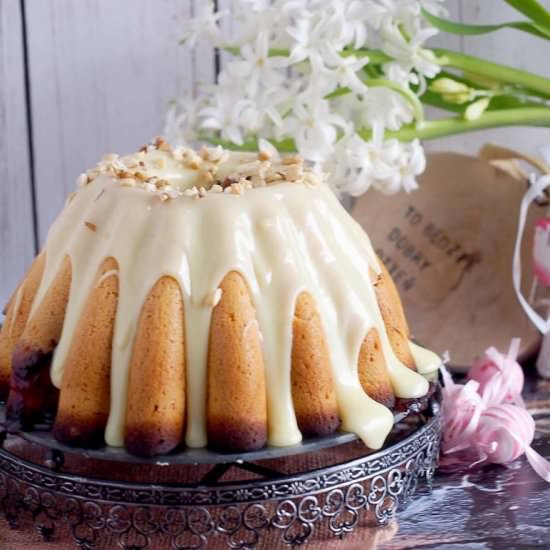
(494, 507)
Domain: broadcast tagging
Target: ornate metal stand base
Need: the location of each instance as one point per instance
(259, 507)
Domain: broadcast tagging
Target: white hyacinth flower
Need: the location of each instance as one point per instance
(204, 23)
(314, 127)
(343, 72)
(224, 114)
(257, 67)
(301, 73)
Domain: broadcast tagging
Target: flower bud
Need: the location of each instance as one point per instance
(460, 98)
(476, 109)
(448, 86)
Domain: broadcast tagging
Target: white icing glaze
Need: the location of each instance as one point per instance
(427, 362)
(283, 238)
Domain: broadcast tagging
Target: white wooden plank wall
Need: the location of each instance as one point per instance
(17, 244)
(101, 74)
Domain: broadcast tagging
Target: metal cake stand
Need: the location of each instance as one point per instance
(261, 499)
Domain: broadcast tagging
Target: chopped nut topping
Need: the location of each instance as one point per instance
(109, 157)
(144, 170)
(82, 180)
(273, 177)
(217, 155)
(207, 176)
(292, 159)
(162, 145)
(91, 226)
(292, 172)
(237, 189)
(161, 184)
(264, 155)
(227, 182)
(190, 159)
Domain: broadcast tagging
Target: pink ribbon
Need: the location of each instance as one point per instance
(488, 414)
(500, 376)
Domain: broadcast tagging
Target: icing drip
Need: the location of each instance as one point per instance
(427, 362)
(283, 238)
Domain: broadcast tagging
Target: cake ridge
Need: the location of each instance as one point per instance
(197, 240)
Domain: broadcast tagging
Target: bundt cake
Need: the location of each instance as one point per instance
(206, 298)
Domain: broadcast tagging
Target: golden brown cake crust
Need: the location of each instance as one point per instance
(156, 393)
(236, 403)
(15, 321)
(32, 394)
(392, 312)
(84, 399)
(373, 372)
(313, 391)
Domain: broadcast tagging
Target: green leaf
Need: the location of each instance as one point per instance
(472, 65)
(532, 9)
(453, 27)
(508, 101)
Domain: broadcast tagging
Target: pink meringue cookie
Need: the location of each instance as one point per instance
(503, 433)
(500, 376)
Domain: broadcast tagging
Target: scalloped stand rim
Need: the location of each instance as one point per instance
(291, 509)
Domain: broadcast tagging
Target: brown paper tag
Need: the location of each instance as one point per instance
(449, 248)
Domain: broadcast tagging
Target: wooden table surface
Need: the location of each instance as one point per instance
(493, 507)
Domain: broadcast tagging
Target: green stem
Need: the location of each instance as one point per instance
(411, 97)
(375, 56)
(494, 71)
(527, 116)
(488, 70)
(273, 52)
(283, 146)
